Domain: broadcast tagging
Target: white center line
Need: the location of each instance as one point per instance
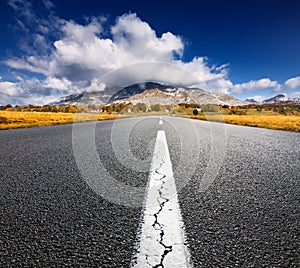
(161, 234)
(160, 122)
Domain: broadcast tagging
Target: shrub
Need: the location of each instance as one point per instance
(3, 120)
(195, 112)
(240, 112)
(155, 107)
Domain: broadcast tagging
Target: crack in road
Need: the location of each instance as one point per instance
(161, 241)
(168, 249)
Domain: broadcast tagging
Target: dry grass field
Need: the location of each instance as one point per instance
(12, 119)
(9, 120)
(282, 122)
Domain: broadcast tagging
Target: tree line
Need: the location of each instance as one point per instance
(188, 108)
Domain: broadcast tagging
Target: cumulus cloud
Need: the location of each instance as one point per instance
(292, 83)
(137, 38)
(95, 86)
(10, 89)
(34, 91)
(58, 84)
(254, 85)
(30, 63)
(132, 41)
(258, 98)
(82, 53)
(295, 94)
(83, 57)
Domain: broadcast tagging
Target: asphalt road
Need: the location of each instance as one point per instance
(238, 190)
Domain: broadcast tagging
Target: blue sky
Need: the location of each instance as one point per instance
(53, 48)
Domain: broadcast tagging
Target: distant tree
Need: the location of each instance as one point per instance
(284, 111)
(108, 109)
(54, 109)
(72, 109)
(141, 107)
(210, 108)
(240, 112)
(45, 108)
(155, 107)
(8, 107)
(92, 107)
(19, 108)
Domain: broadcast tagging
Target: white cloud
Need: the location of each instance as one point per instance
(295, 94)
(265, 83)
(82, 47)
(10, 89)
(31, 63)
(254, 85)
(288, 85)
(137, 38)
(82, 54)
(292, 83)
(34, 91)
(258, 98)
(22, 7)
(96, 85)
(48, 4)
(132, 41)
(221, 85)
(58, 84)
(199, 67)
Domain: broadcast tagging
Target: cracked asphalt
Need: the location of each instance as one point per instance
(161, 241)
(239, 196)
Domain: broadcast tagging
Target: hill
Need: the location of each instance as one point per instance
(149, 93)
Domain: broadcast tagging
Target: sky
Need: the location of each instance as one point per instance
(51, 48)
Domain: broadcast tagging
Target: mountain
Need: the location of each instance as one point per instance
(156, 96)
(277, 98)
(132, 90)
(149, 93)
(86, 98)
(175, 95)
(67, 100)
(251, 100)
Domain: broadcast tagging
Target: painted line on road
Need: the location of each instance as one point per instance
(161, 238)
(160, 121)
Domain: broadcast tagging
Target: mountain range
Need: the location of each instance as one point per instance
(149, 93)
(277, 98)
(155, 93)
(169, 95)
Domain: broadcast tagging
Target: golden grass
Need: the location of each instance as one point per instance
(9, 120)
(282, 122)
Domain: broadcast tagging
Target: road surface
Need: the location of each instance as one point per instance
(237, 193)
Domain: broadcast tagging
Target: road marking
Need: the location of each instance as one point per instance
(161, 233)
(160, 121)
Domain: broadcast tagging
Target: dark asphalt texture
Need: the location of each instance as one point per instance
(248, 217)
